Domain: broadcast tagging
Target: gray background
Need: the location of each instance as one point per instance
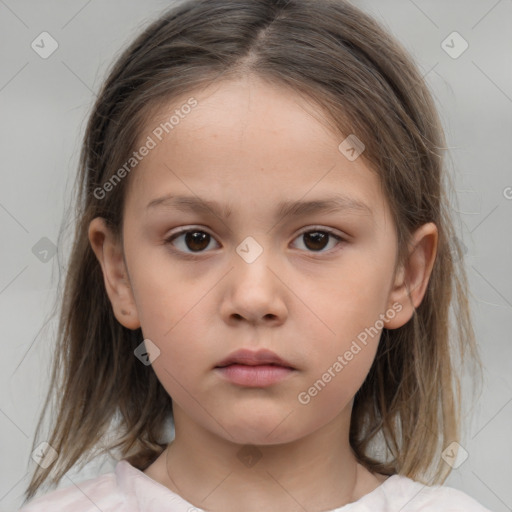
(44, 105)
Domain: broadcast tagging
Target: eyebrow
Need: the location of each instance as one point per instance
(331, 204)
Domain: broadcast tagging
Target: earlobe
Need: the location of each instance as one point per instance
(109, 253)
(412, 279)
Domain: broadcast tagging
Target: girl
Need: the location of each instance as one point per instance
(263, 255)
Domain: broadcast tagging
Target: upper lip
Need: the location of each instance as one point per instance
(252, 358)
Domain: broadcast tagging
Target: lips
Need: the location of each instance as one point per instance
(251, 358)
(250, 369)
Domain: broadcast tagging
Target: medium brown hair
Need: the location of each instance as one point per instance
(364, 83)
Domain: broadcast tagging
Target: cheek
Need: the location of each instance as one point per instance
(185, 358)
(337, 372)
(335, 376)
(181, 334)
(351, 302)
(171, 313)
(164, 295)
(342, 350)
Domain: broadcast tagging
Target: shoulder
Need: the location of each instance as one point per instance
(101, 493)
(127, 489)
(412, 496)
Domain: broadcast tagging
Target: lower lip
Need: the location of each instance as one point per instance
(254, 376)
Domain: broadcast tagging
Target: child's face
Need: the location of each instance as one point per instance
(308, 299)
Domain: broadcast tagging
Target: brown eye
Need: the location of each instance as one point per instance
(317, 240)
(193, 240)
(197, 240)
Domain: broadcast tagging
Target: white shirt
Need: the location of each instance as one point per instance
(128, 489)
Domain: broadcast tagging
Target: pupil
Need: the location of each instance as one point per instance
(319, 240)
(197, 237)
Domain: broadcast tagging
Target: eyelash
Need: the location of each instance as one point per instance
(196, 256)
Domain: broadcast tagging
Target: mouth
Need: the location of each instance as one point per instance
(250, 358)
(254, 369)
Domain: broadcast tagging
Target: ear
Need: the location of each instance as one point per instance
(412, 278)
(109, 252)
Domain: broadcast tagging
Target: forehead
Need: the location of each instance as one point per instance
(247, 139)
(243, 114)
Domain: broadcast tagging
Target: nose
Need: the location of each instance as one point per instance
(255, 293)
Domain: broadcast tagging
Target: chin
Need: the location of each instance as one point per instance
(263, 429)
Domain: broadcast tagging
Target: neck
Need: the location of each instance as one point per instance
(315, 473)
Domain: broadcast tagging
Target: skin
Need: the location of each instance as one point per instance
(250, 145)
